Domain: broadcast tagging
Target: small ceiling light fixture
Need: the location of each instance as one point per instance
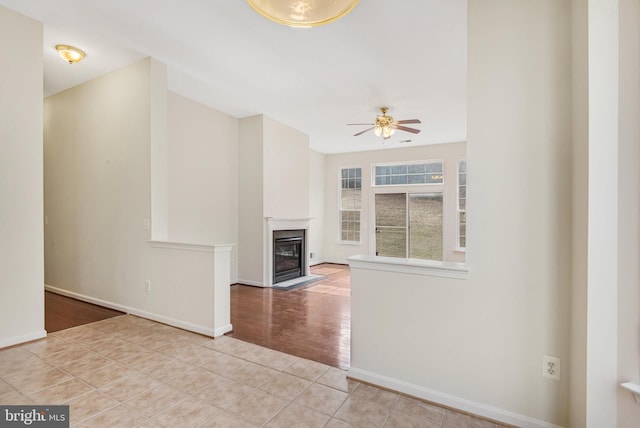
(385, 125)
(70, 54)
(303, 13)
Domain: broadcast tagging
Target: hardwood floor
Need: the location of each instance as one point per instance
(313, 322)
(62, 312)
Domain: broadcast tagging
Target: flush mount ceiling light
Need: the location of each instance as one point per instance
(303, 13)
(70, 54)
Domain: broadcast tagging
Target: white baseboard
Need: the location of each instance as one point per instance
(449, 400)
(222, 330)
(248, 282)
(138, 312)
(315, 262)
(22, 339)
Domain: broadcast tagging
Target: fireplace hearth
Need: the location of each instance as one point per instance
(288, 255)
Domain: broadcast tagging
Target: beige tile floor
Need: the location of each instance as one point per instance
(131, 372)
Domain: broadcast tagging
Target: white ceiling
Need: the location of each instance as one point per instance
(409, 55)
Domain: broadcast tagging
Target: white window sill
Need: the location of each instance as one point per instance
(460, 250)
(354, 243)
(410, 266)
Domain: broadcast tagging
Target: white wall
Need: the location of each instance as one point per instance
(478, 343)
(602, 226)
(97, 194)
(202, 174)
(336, 252)
(629, 212)
(250, 200)
(317, 178)
(605, 339)
(273, 181)
(580, 172)
(21, 221)
(286, 171)
(159, 151)
(97, 185)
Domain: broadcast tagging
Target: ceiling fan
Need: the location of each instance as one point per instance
(385, 126)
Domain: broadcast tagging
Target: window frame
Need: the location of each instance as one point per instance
(459, 211)
(408, 163)
(407, 188)
(408, 193)
(342, 210)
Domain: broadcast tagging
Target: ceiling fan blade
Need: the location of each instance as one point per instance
(370, 124)
(409, 121)
(362, 132)
(407, 129)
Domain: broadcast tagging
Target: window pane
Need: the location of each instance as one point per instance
(382, 170)
(422, 173)
(384, 180)
(391, 209)
(462, 203)
(391, 242)
(350, 203)
(391, 219)
(425, 226)
(357, 199)
(398, 179)
(434, 178)
(418, 168)
(434, 168)
(398, 169)
(417, 179)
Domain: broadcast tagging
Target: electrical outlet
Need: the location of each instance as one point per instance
(147, 285)
(146, 224)
(551, 367)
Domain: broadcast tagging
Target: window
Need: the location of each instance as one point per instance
(350, 204)
(411, 173)
(409, 225)
(462, 203)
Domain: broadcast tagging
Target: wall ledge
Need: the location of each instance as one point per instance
(410, 266)
(634, 388)
(191, 247)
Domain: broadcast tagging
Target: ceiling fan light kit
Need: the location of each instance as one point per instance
(303, 13)
(385, 126)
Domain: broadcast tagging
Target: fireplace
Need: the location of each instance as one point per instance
(288, 255)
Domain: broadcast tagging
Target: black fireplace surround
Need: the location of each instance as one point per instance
(288, 255)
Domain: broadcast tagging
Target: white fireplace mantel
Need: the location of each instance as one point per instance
(273, 223)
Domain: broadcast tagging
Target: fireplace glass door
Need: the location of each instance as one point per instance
(288, 252)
